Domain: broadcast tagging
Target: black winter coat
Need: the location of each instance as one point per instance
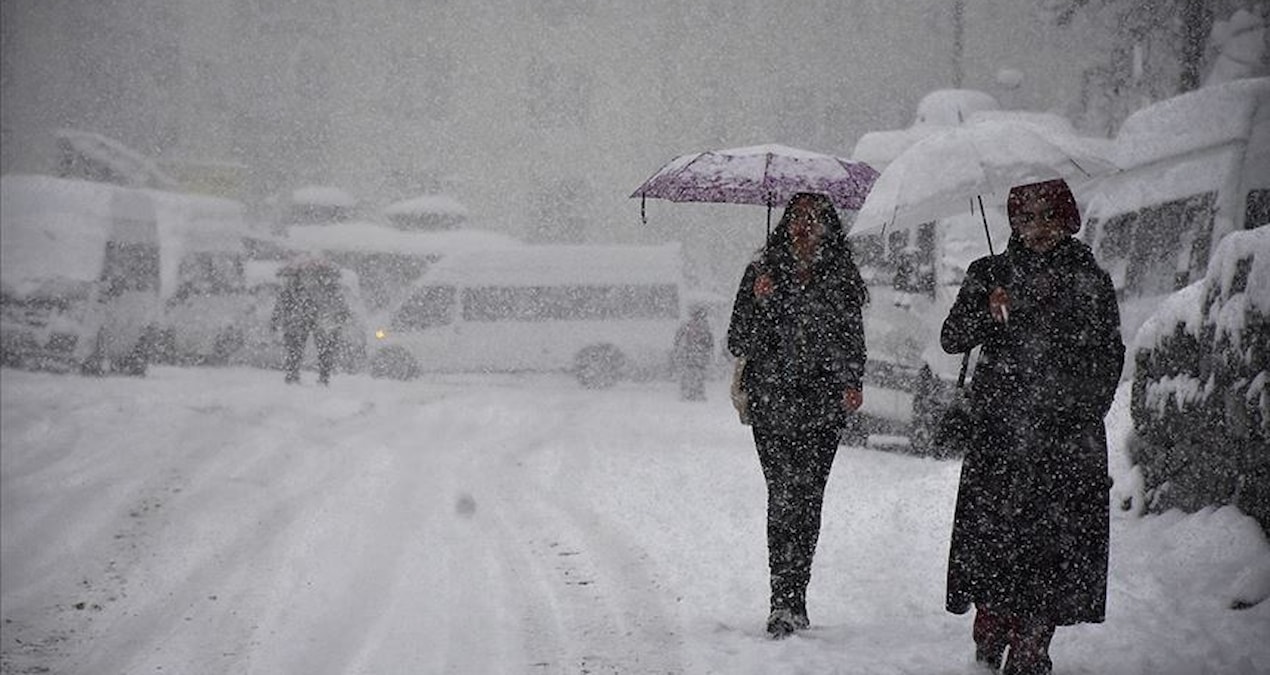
(803, 345)
(1030, 536)
(309, 304)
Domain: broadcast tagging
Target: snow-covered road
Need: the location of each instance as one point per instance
(218, 521)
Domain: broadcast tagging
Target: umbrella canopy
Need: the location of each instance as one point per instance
(945, 173)
(766, 175)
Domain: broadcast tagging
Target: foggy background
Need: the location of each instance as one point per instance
(541, 116)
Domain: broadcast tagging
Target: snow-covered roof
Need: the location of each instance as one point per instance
(1200, 119)
(545, 265)
(373, 237)
(950, 107)
(322, 195)
(427, 204)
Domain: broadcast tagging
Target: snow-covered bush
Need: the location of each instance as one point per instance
(1201, 408)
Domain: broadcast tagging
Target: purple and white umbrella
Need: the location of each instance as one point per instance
(766, 175)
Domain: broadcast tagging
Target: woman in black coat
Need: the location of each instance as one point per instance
(797, 323)
(1030, 536)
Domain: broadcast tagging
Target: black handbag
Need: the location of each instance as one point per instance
(958, 422)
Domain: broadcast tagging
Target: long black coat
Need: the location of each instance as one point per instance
(803, 345)
(1030, 536)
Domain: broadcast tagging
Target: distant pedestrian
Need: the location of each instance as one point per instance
(311, 303)
(797, 323)
(1030, 536)
(694, 345)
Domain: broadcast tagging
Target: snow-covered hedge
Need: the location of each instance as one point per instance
(1201, 405)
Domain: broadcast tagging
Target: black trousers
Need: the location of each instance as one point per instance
(796, 468)
(324, 340)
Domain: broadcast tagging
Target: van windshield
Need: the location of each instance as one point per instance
(429, 307)
(571, 303)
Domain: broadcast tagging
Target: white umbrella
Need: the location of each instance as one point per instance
(956, 170)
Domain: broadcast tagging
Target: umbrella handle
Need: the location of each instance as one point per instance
(769, 218)
(986, 233)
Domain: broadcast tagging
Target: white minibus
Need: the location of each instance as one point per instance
(603, 313)
(1195, 168)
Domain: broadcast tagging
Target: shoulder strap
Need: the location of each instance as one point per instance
(965, 363)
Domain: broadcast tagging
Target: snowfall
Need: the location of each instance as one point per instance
(220, 521)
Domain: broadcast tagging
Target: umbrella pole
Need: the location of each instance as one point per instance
(986, 233)
(642, 216)
(769, 220)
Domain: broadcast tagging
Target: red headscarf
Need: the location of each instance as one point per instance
(1055, 192)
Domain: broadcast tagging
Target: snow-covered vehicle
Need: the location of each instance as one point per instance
(202, 284)
(317, 205)
(262, 347)
(427, 213)
(62, 238)
(601, 312)
(1183, 187)
(79, 279)
(388, 260)
(1201, 387)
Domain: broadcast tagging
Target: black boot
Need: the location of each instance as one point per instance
(780, 624)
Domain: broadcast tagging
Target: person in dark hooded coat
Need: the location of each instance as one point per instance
(797, 322)
(1030, 535)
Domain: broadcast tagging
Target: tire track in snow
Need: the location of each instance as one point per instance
(592, 605)
(207, 579)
